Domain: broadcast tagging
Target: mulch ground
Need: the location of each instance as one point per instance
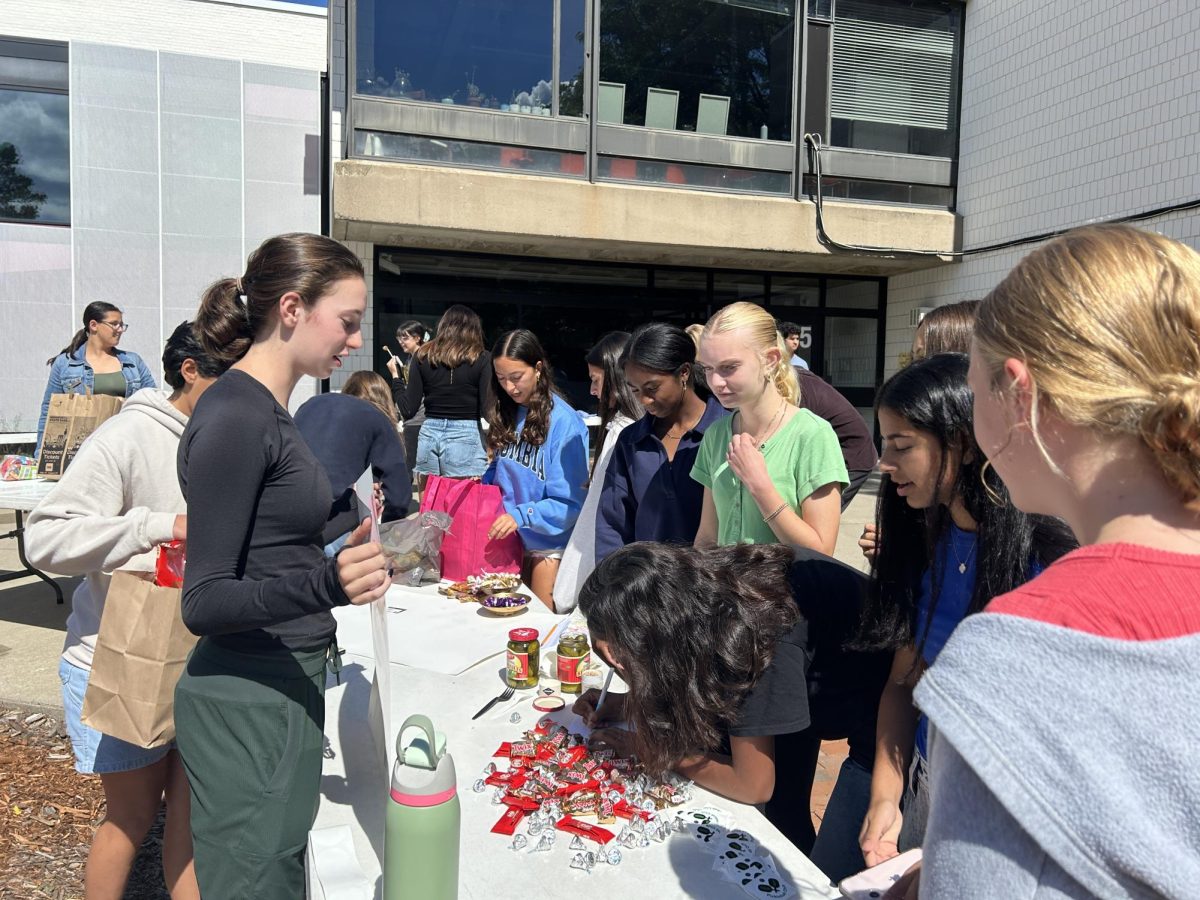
(48, 813)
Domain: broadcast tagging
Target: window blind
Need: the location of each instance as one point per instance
(893, 66)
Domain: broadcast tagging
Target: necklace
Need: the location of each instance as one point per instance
(771, 427)
(674, 437)
(962, 563)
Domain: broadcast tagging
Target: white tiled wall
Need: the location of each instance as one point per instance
(1071, 113)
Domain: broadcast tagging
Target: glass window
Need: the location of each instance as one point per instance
(467, 153)
(788, 290)
(709, 66)
(571, 40)
(835, 187)
(679, 174)
(820, 9)
(896, 76)
(734, 287)
(852, 294)
(35, 144)
(849, 352)
(495, 54)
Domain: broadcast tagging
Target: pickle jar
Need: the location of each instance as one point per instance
(522, 658)
(573, 656)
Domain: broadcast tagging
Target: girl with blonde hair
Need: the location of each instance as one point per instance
(772, 473)
(1086, 373)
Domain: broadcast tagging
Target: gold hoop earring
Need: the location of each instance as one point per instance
(991, 492)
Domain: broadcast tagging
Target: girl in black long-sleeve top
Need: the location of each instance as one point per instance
(249, 710)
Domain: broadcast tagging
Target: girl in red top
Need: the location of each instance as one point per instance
(1064, 751)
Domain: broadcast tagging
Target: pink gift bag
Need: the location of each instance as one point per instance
(466, 549)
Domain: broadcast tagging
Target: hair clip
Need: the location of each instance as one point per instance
(241, 292)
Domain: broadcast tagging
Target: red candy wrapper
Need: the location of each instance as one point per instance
(584, 830)
(523, 748)
(512, 780)
(169, 570)
(626, 811)
(525, 804)
(509, 821)
(504, 750)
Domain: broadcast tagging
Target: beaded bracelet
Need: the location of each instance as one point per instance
(782, 507)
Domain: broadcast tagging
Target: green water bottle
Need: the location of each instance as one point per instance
(420, 854)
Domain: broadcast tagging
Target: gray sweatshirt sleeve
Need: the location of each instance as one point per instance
(83, 525)
(975, 850)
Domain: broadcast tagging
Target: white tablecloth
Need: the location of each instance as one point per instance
(355, 781)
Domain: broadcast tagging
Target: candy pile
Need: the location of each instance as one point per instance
(553, 783)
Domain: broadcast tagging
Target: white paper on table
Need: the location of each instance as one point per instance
(379, 712)
(333, 869)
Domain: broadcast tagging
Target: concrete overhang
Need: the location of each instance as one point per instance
(438, 208)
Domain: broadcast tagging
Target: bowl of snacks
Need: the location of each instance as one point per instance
(505, 603)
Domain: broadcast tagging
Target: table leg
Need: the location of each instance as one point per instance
(19, 534)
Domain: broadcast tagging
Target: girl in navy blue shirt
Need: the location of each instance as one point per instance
(949, 541)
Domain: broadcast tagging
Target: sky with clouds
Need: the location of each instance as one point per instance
(36, 124)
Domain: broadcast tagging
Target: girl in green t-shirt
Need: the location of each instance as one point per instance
(772, 473)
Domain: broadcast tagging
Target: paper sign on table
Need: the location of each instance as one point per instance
(379, 713)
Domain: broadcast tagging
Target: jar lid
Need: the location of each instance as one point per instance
(523, 634)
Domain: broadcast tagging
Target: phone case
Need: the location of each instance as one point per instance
(872, 883)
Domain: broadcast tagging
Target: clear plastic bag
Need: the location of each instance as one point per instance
(414, 546)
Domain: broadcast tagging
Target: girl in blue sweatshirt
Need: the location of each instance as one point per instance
(539, 448)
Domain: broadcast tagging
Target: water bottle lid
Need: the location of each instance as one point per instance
(423, 750)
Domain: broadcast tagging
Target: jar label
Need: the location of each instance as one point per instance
(570, 668)
(518, 666)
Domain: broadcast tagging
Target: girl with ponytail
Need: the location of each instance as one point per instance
(723, 651)
(259, 590)
(771, 472)
(93, 362)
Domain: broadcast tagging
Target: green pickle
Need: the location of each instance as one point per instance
(521, 661)
(573, 656)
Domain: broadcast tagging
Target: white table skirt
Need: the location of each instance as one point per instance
(355, 782)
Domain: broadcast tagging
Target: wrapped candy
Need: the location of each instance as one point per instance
(519, 842)
(515, 718)
(479, 786)
(583, 829)
(582, 861)
(507, 824)
(545, 842)
(489, 769)
(498, 795)
(577, 843)
(610, 856)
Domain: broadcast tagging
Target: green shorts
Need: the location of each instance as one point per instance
(250, 732)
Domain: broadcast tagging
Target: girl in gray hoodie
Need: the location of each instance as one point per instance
(114, 505)
(1065, 734)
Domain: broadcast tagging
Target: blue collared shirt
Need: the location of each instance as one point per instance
(646, 496)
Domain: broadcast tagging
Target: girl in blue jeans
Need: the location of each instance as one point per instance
(450, 375)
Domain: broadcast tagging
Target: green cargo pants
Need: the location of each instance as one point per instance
(250, 732)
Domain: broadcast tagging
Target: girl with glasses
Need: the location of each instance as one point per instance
(93, 363)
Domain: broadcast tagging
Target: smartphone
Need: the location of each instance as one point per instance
(872, 883)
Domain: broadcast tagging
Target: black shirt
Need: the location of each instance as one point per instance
(257, 501)
(813, 680)
(818, 395)
(346, 434)
(458, 393)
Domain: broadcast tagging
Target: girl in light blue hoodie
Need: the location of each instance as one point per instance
(539, 448)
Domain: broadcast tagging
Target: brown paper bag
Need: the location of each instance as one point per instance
(141, 650)
(69, 420)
